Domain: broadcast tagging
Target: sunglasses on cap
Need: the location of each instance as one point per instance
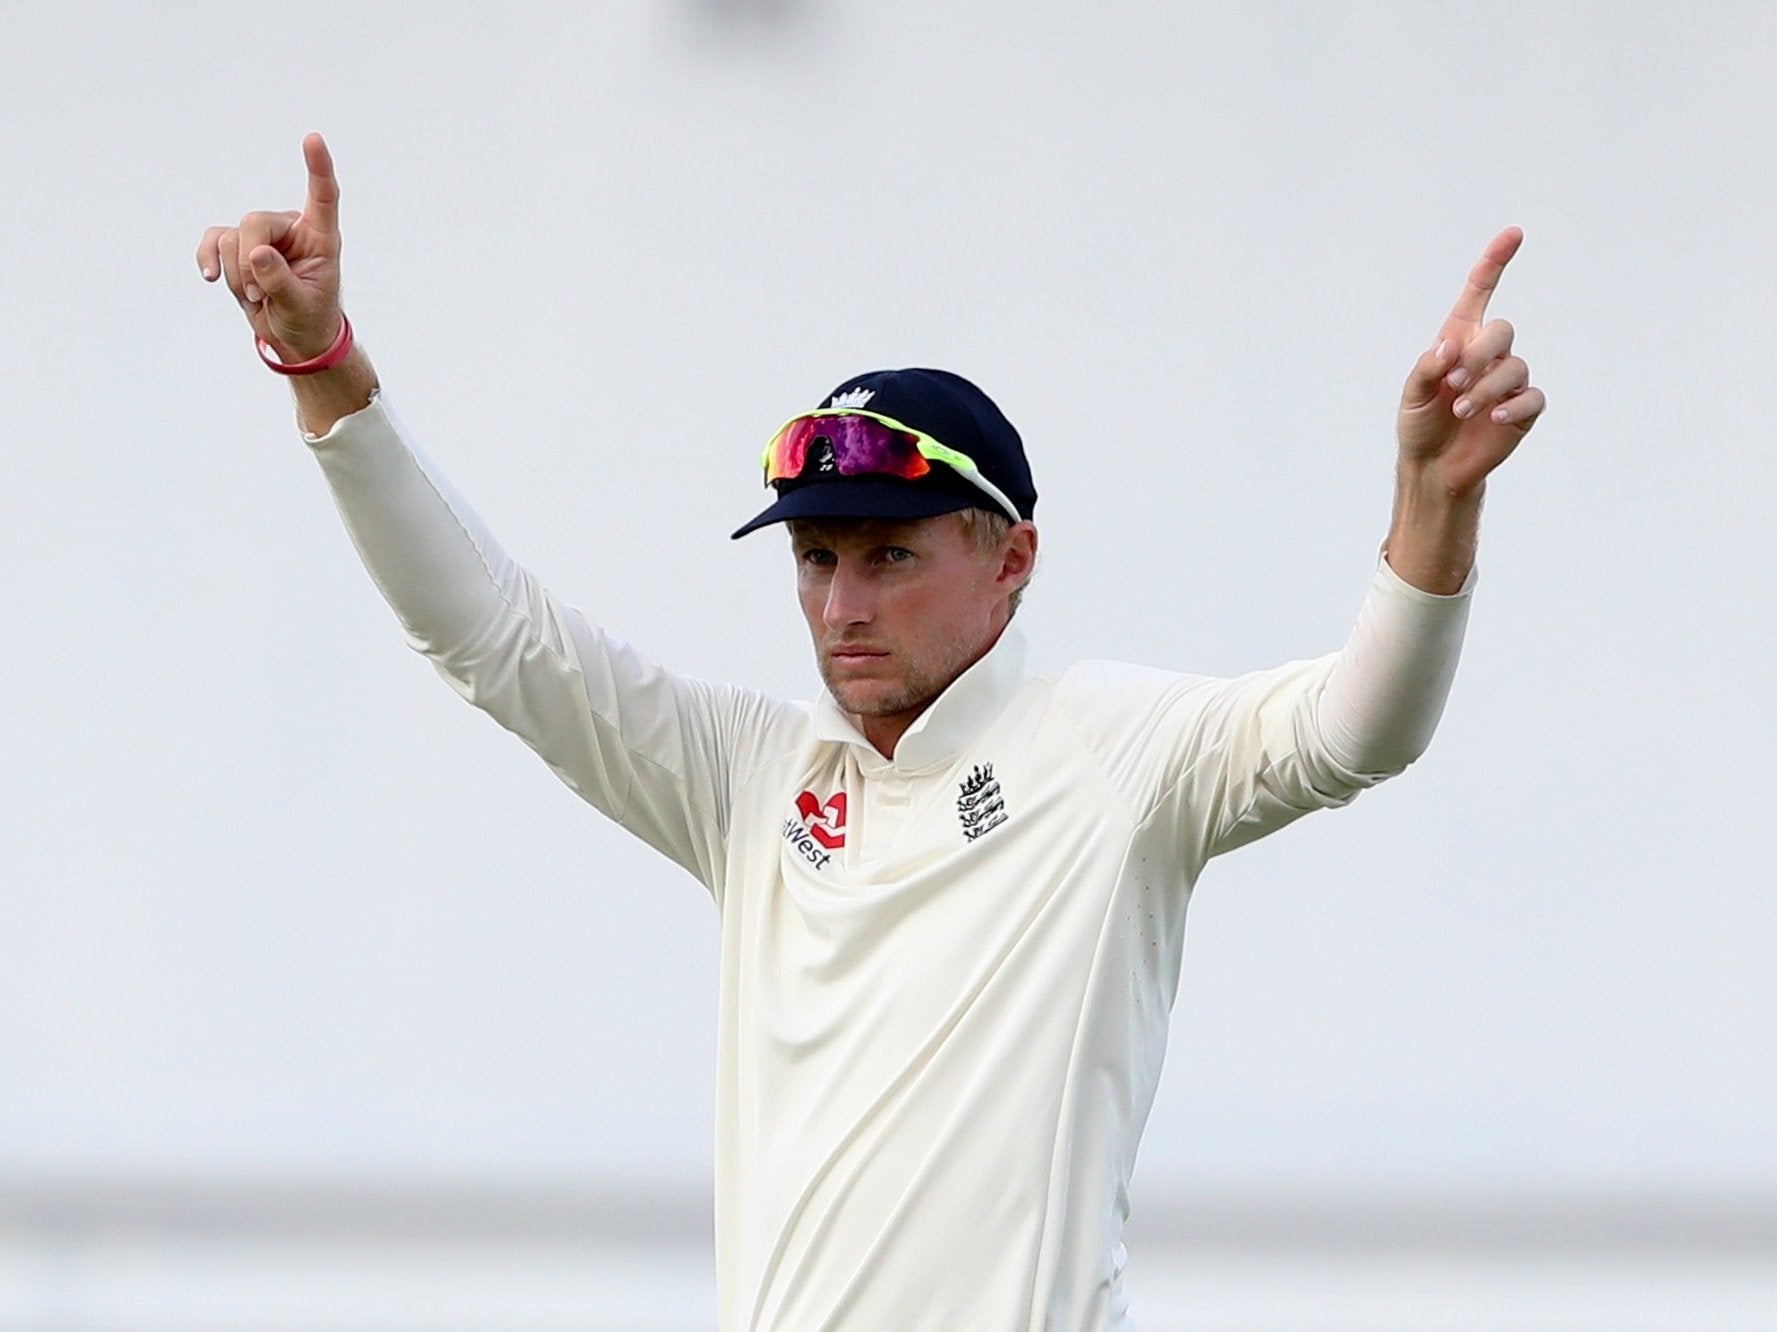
(860, 443)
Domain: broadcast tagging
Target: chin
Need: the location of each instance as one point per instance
(861, 701)
(869, 698)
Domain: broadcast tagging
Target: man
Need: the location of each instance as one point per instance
(952, 896)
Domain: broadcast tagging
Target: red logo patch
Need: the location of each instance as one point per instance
(826, 823)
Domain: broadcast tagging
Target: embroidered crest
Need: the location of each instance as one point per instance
(980, 808)
(857, 397)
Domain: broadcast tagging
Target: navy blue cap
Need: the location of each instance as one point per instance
(935, 402)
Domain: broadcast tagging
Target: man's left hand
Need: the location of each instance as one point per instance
(1468, 400)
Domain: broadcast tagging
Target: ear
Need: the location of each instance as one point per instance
(1018, 556)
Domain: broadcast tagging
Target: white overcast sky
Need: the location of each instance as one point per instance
(272, 899)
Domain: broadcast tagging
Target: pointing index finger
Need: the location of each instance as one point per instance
(1471, 305)
(321, 209)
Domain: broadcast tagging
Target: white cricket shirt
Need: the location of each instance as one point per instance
(945, 977)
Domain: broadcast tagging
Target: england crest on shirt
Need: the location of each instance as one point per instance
(980, 808)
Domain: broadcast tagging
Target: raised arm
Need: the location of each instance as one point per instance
(655, 751)
(283, 269)
(1466, 405)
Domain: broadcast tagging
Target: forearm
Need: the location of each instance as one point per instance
(486, 623)
(1433, 535)
(1388, 686)
(648, 748)
(1312, 734)
(456, 591)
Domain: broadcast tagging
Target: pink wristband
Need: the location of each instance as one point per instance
(341, 348)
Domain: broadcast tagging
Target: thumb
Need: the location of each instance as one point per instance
(271, 275)
(1425, 381)
(298, 319)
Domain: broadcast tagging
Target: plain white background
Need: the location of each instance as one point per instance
(272, 901)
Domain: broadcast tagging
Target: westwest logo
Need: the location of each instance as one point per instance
(820, 828)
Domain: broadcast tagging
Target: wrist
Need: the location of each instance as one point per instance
(1424, 484)
(1435, 530)
(282, 361)
(324, 398)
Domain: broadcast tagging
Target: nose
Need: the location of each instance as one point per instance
(849, 599)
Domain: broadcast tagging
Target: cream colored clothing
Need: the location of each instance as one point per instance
(945, 977)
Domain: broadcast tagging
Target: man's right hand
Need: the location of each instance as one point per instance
(283, 269)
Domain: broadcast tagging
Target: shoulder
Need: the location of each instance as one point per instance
(1118, 708)
(1120, 688)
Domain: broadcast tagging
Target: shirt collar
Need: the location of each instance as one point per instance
(957, 716)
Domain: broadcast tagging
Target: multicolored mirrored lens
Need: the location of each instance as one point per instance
(850, 445)
(849, 442)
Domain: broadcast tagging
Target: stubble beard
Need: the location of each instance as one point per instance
(917, 690)
(861, 698)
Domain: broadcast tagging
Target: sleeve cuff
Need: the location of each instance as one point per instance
(1389, 578)
(375, 413)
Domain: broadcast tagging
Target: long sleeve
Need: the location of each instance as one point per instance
(654, 751)
(1387, 688)
(1314, 734)
(1221, 762)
